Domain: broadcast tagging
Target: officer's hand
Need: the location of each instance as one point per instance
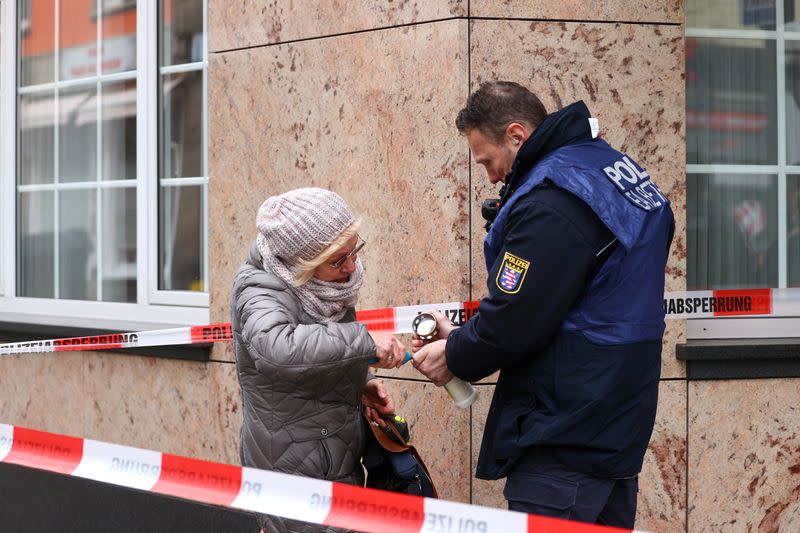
(444, 324)
(431, 362)
(444, 327)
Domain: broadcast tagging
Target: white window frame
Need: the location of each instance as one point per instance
(154, 309)
(3, 155)
(157, 296)
(762, 327)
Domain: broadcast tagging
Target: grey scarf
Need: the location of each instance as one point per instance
(325, 301)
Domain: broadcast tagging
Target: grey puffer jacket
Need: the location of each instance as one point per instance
(301, 383)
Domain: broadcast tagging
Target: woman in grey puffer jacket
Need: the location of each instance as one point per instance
(301, 359)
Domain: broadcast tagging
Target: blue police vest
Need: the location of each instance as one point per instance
(624, 303)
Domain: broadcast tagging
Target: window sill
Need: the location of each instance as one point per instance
(19, 332)
(740, 358)
(100, 315)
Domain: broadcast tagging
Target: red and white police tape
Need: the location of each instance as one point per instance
(689, 304)
(310, 500)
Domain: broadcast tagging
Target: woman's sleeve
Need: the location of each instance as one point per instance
(274, 338)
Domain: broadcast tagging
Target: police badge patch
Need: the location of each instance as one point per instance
(512, 273)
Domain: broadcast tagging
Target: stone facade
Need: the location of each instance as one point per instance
(361, 99)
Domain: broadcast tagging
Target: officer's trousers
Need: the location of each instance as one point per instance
(539, 484)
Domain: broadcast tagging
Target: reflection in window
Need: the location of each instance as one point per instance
(732, 231)
(181, 236)
(118, 234)
(742, 207)
(36, 150)
(791, 15)
(730, 101)
(182, 32)
(731, 14)
(77, 134)
(77, 152)
(118, 124)
(793, 102)
(77, 244)
(182, 127)
(110, 6)
(793, 230)
(36, 245)
(36, 42)
(183, 181)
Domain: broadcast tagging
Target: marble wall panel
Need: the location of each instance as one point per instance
(662, 482)
(175, 406)
(44, 392)
(158, 404)
(611, 10)
(225, 413)
(368, 115)
(744, 456)
(631, 78)
(247, 23)
(675, 275)
(439, 431)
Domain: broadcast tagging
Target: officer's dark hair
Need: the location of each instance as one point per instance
(495, 105)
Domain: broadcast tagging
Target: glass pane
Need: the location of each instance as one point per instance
(119, 37)
(732, 231)
(791, 10)
(77, 134)
(77, 53)
(2, 45)
(734, 14)
(36, 262)
(182, 125)
(793, 230)
(77, 237)
(793, 102)
(36, 41)
(36, 138)
(730, 101)
(119, 245)
(182, 31)
(118, 139)
(181, 241)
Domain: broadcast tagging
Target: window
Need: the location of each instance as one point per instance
(107, 179)
(24, 16)
(2, 89)
(743, 154)
(183, 185)
(110, 6)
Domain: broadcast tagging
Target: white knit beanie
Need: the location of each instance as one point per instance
(302, 223)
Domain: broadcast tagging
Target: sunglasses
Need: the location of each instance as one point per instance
(339, 262)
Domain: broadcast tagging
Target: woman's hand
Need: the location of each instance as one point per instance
(376, 402)
(390, 352)
(443, 326)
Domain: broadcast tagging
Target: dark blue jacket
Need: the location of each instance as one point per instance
(574, 317)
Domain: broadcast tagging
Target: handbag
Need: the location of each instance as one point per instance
(392, 462)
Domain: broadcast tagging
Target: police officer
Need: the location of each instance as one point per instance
(574, 317)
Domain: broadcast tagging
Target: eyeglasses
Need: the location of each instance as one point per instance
(339, 262)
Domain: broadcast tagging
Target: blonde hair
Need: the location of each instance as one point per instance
(306, 268)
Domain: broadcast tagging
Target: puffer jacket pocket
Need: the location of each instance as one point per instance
(327, 460)
(320, 424)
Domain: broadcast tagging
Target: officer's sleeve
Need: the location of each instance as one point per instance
(545, 263)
